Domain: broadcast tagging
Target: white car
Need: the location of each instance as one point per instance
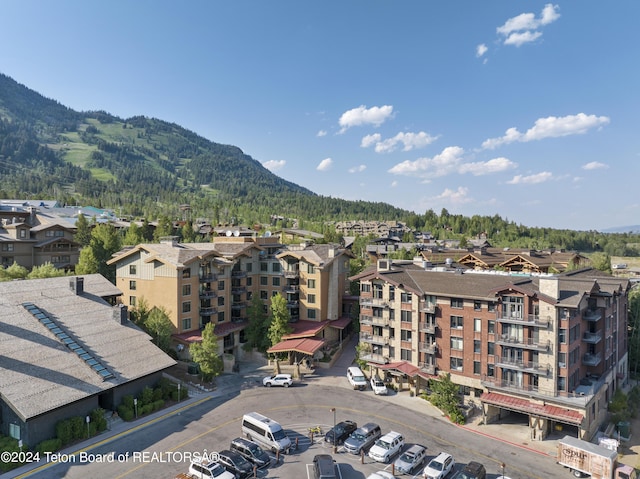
(378, 386)
(209, 470)
(439, 467)
(411, 459)
(284, 380)
(381, 475)
(386, 447)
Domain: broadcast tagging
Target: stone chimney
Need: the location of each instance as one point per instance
(76, 284)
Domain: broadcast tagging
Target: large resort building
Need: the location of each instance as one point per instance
(551, 349)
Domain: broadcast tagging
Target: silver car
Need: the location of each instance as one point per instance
(411, 459)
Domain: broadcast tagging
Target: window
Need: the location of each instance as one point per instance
(311, 298)
(562, 383)
(132, 285)
(264, 267)
(311, 313)
(264, 281)
(221, 316)
(249, 295)
(264, 294)
(249, 267)
(377, 291)
(132, 300)
(365, 287)
(220, 300)
(456, 364)
(405, 354)
(14, 431)
(562, 336)
(186, 290)
(275, 281)
(249, 281)
(7, 247)
(186, 324)
(476, 367)
(491, 306)
(477, 306)
(405, 316)
(392, 314)
(477, 325)
(405, 334)
(275, 267)
(491, 370)
(392, 293)
(477, 346)
(23, 233)
(220, 285)
(186, 273)
(456, 343)
(186, 307)
(311, 283)
(574, 333)
(457, 303)
(133, 269)
(456, 322)
(310, 268)
(491, 327)
(405, 297)
(377, 312)
(491, 348)
(562, 360)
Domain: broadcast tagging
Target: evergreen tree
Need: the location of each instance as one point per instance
(280, 317)
(256, 332)
(205, 354)
(133, 236)
(46, 270)
(105, 241)
(164, 228)
(83, 231)
(159, 326)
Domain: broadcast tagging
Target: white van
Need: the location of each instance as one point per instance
(265, 431)
(356, 378)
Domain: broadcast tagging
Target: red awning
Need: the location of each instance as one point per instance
(404, 367)
(559, 414)
(305, 329)
(340, 323)
(302, 345)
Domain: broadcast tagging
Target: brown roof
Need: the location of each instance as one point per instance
(302, 345)
(559, 414)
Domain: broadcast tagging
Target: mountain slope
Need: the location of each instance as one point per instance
(144, 166)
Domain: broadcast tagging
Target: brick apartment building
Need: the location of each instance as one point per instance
(552, 349)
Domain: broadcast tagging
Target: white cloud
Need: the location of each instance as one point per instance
(394, 183)
(481, 50)
(362, 115)
(550, 127)
(321, 133)
(531, 179)
(494, 165)
(358, 169)
(325, 164)
(595, 165)
(456, 197)
(274, 165)
(440, 165)
(524, 28)
(409, 141)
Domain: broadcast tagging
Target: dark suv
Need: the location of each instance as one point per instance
(473, 470)
(340, 432)
(324, 467)
(250, 451)
(235, 464)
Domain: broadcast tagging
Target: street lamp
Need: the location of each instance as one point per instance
(333, 410)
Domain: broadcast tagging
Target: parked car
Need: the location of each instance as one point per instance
(381, 475)
(340, 431)
(378, 386)
(439, 467)
(235, 464)
(386, 447)
(362, 438)
(278, 380)
(473, 470)
(356, 378)
(209, 469)
(324, 467)
(411, 459)
(251, 452)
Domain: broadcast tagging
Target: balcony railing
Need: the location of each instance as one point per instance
(293, 304)
(526, 319)
(378, 321)
(369, 302)
(238, 273)
(526, 366)
(427, 368)
(291, 288)
(208, 311)
(508, 385)
(592, 315)
(528, 343)
(428, 307)
(208, 277)
(592, 359)
(238, 289)
(374, 338)
(239, 305)
(429, 348)
(291, 273)
(375, 358)
(593, 338)
(208, 294)
(366, 319)
(427, 327)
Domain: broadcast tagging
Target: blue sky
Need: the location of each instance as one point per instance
(529, 110)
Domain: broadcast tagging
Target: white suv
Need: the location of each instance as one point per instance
(378, 386)
(439, 467)
(209, 470)
(278, 380)
(356, 378)
(386, 447)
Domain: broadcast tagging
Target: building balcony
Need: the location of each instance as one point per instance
(590, 359)
(208, 294)
(429, 348)
(208, 311)
(592, 338)
(238, 289)
(366, 319)
(290, 274)
(429, 328)
(237, 273)
(529, 343)
(374, 339)
(375, 358)
(371, 302)
(293, 304)
(526, 319)
(291, 289)
(525, 366)
(592, 315)
(239, 305)
(428, 307)
(493, 383)
(208, 277)
(427, 368)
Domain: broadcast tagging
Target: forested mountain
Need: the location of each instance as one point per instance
(145, 167)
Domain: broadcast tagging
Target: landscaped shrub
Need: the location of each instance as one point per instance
(146, 409)
(78, 428)
(157, 393)
(128, 401)
(159, 404)
(64, 432)
(49, 445)
(97, 418)
(147, 396)
(125, 412)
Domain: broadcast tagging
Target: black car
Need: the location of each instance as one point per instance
(341, 431)
(235, 463)
(250, 451)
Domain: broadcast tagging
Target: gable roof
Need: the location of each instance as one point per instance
(39, 372)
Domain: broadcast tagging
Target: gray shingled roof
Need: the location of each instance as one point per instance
(38, 373)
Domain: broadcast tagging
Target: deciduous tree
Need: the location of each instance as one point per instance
(206, 355)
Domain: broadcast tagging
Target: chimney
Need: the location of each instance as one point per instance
(121, 314)
(77, 285)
